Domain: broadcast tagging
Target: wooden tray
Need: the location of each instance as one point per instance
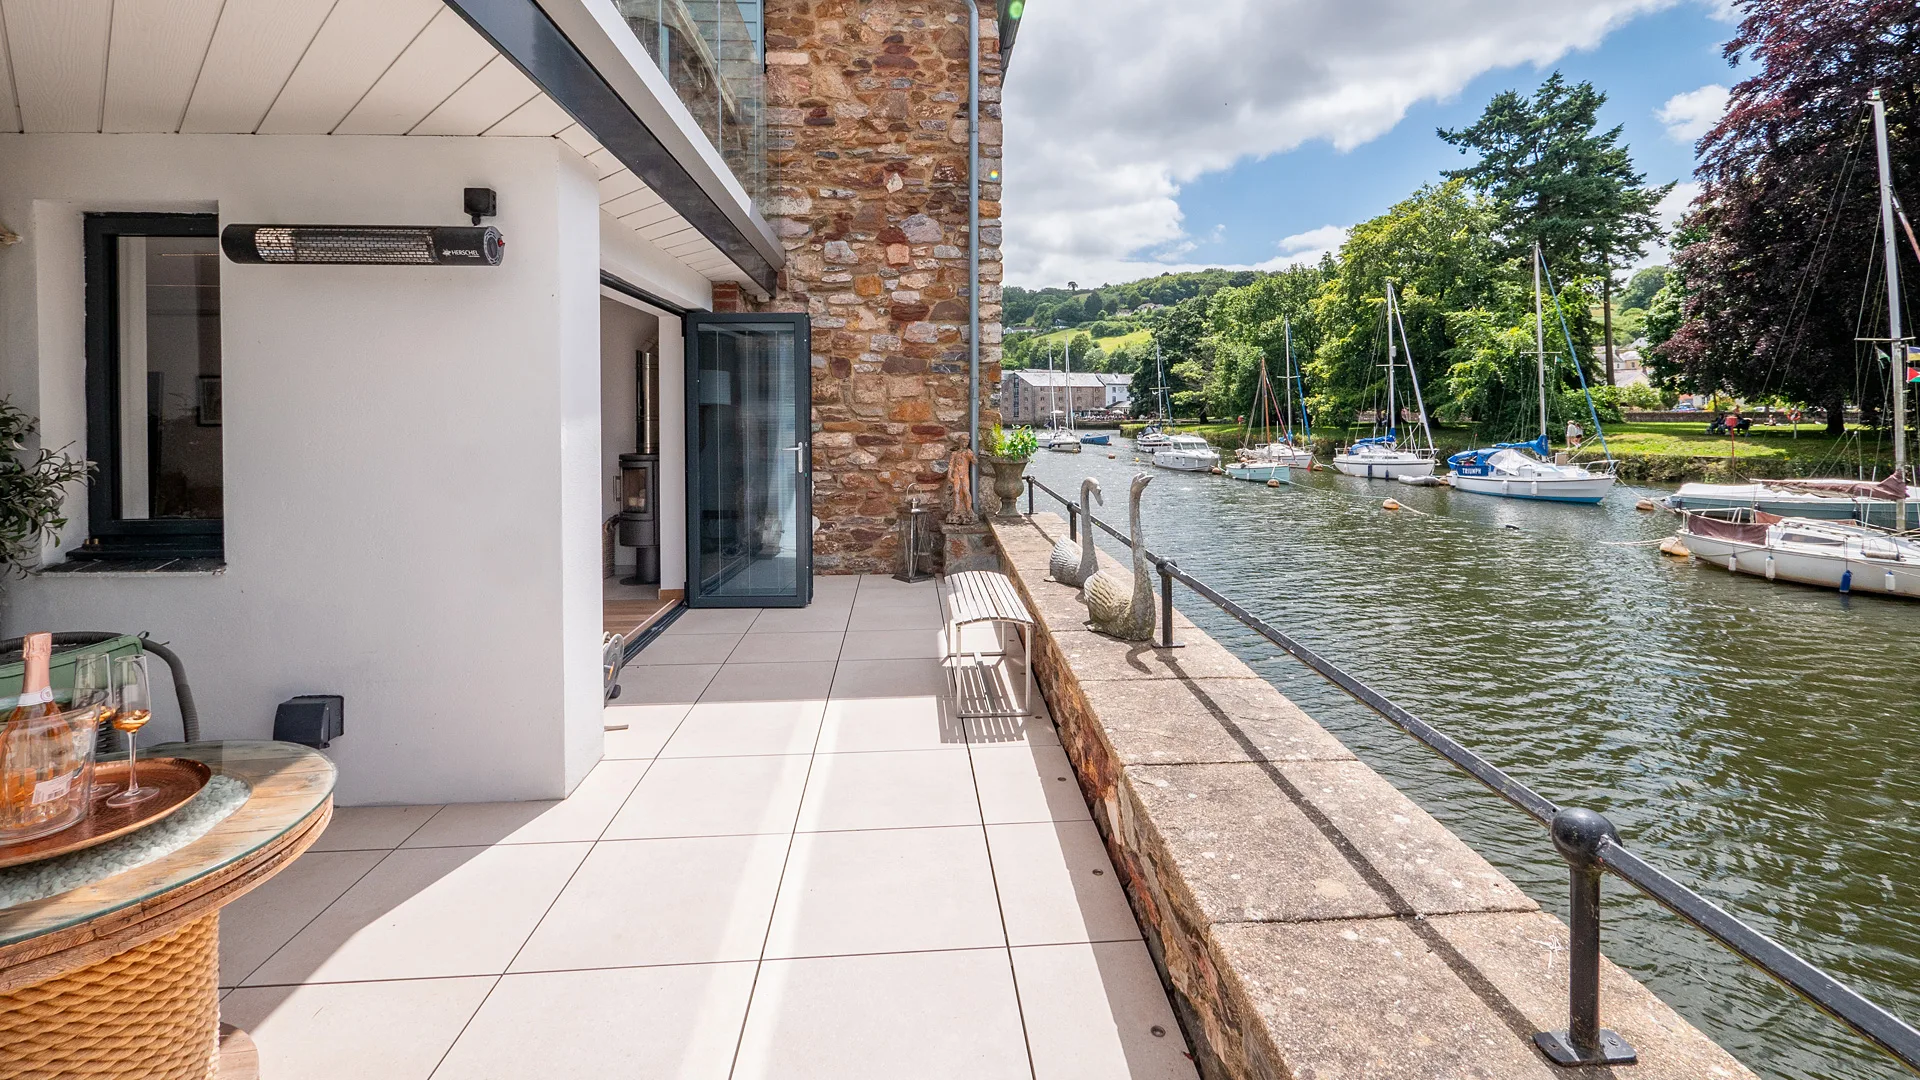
(178, 779)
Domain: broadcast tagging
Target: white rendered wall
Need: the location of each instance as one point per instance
(412, 454)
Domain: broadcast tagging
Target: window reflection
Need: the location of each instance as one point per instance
(712, 54)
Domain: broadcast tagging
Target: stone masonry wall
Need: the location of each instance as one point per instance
(867, 151)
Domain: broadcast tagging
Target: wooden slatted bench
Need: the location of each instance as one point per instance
(984, 596)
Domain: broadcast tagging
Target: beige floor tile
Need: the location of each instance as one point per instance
(667, 684)
(891, 645)
(892, 890)
(771, 682)
(367, 1030)
(912, 615)
(1057, 885)
(427, 913)
(713, 621)
(909, 723)
(582, 815)
(820, 617)
(253, 927)
(929, 1016)
(837, 588)
(692, 900)
(686, 649)
(715, 796)
(669, 1023)
(888, 679)
(721, 729)
(1027, 783)
(641, 729)
(1092, 1012)
(773, 648)
(371, 828)
(871, 583)
(889, 790)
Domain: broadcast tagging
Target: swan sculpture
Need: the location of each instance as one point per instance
(1072, 562)
(1118, 604)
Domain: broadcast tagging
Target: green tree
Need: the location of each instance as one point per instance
(1558, 180)
(1180, 334)
(1437, 247)
(1250, 322)
(1640, 289)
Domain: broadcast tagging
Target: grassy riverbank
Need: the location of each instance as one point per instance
(1662, 452)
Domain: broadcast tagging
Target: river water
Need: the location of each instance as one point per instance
(1759, 742)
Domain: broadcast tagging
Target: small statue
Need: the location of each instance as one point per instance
(1072, 563)
(1118, 605)
(960, 484)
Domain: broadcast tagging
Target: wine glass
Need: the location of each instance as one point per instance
(90, 680)
(133, 706)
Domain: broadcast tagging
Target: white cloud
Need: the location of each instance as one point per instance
(1692, 114)
(1112, 105)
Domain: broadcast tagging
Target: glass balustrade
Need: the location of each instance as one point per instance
(712, 54)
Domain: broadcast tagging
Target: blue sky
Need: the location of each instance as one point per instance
(1204, 152)
(1639, 67)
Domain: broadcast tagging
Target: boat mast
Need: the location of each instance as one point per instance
(1067, 378)
(1053, 403)
(1413, 375)
(1286, 418)
(1540, 335)
(1166, 407)
(1896, 343)
(1393, 411)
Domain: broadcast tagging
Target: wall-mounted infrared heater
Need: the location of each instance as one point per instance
(418, 245)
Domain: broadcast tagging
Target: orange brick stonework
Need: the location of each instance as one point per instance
(867, 148)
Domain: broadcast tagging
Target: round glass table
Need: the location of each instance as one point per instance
(120, 978)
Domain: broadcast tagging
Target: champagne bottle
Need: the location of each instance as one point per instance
(36, 693)
(42, 777)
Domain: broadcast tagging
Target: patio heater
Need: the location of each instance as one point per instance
(639, 526)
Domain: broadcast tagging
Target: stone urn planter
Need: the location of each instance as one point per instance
(1006, 482)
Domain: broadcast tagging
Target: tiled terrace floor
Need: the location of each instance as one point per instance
(793, 862)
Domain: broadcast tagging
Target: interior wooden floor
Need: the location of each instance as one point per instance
(630, 609)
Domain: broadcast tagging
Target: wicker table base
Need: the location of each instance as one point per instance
(149, 1012)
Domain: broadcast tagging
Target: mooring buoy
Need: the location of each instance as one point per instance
(1273, 483)
(1675, 547)
(1390, 505)
(1645, 504)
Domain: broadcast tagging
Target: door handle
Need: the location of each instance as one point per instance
(799, 458)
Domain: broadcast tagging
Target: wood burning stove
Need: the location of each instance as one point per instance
(639, 526)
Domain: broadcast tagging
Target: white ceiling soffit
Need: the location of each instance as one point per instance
(295, 67)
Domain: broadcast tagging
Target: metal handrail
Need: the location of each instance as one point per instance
(1589, 844)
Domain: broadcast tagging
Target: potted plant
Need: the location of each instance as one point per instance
(1008, 453)
(32, 488)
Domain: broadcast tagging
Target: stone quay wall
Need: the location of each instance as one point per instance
(867, 130)
(1311, 922)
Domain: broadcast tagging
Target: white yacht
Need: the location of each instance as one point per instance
(1187, 453)
(1382, 457)
(1836, 555)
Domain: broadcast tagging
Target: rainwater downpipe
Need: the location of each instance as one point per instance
(973, 245)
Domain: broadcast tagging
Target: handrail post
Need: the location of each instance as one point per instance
(1166, 566)
(1578, 834)
(1073, 523)
(1029, 481)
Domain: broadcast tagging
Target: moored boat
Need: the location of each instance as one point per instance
(1265, 457)
(1381, 456)
(1527, 470)
(1868, 502)
(1095, 438)
(1187, 453)
(1831, 554)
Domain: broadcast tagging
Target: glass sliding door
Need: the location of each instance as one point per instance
(749, 461)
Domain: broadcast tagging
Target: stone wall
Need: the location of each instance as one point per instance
(1311, 922)
(867, 151)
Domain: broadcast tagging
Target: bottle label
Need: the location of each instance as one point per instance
(36, 697)
(47, 791)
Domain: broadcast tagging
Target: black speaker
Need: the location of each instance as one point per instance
(310, 719)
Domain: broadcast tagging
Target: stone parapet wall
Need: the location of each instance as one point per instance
(867, 131)
(1310, 920)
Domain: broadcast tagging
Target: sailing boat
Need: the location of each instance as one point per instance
(1381, 456)
(1155, 437)
(1800, 549)
(1266, 459)
(1061, 441)
(1524, 470)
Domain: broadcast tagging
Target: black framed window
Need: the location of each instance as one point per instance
(154, 410)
